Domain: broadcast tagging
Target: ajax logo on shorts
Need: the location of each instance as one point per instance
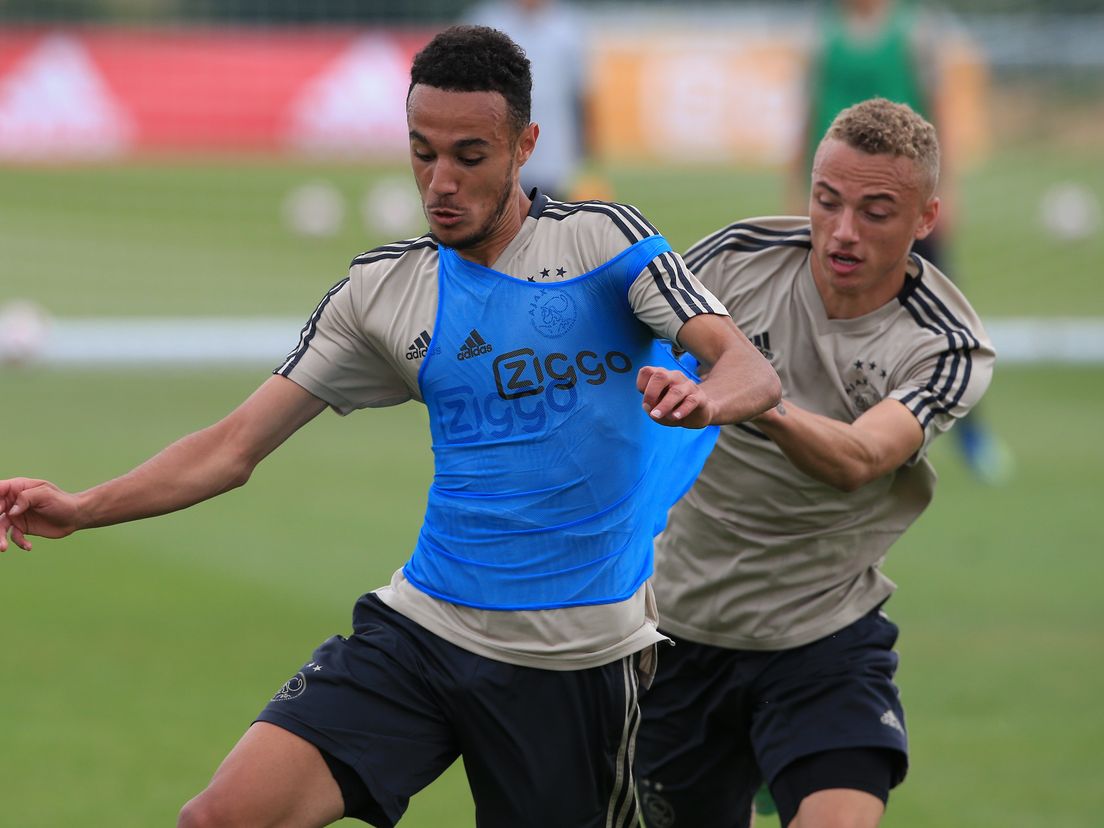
(658, 810)
(293, 688)
(296, 686)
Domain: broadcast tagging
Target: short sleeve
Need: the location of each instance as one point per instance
(666, 295)
(339, 362)
(942, 387)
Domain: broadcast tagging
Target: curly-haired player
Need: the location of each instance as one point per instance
(515, 633)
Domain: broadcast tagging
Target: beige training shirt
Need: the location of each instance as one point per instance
(758, 555)
(364, 344)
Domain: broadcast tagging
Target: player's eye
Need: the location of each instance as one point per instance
(422, 156)
(471, 162)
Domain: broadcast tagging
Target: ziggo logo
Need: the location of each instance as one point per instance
(466, 417)
(522, 373)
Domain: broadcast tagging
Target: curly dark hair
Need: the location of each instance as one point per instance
(477, 59)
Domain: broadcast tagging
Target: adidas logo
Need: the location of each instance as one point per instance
(473, 346)
(762, 342)
(889, 718)
(419, 347)
(346, 108)
(54, 103)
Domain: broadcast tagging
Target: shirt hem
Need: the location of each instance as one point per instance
(644, 637)
(853, 612)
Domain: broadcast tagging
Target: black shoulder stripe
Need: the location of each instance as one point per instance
(960, 339)
(680, 284)
(639, 218)
(557, 212)
(946, 313)
(745, 238)
(665, 291)
(762, 230)
(927, 402)
(309, 330)
(751, 231)
(954, 368)
(917, 295)
(633, 228)
(394, 250)
(695, 261)
(626, 219)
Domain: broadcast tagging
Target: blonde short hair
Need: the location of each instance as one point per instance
(881, 127)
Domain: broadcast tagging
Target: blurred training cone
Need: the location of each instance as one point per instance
(315, 209)
(1070, 211)
(391, 209)
(24, 330)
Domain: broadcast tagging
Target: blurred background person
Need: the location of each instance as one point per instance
(554, 39)
(889, 48)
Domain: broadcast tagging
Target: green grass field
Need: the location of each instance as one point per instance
(136, 655)
(159, 239)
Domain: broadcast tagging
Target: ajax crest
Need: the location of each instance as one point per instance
(293, 688)
(552, 312)
(861, 382)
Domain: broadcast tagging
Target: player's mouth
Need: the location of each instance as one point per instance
(445, 216)
(843, 263)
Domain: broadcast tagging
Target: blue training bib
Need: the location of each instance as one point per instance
(550, 480)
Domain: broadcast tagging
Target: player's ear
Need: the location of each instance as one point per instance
(526, 143)
(928, 217)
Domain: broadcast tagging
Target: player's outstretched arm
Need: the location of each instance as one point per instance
(739, 384)
(844, 455)
(194, 468)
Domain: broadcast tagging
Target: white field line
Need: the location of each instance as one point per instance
(204, 341)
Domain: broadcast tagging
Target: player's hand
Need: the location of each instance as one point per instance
(34, 507)
(673, 399)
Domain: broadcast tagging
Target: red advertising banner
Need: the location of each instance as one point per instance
(677, 97)
(92, 93)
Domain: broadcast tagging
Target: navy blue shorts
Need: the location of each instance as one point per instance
(717, 722)
(392, 706)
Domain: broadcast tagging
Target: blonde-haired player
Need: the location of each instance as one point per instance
(768, 575)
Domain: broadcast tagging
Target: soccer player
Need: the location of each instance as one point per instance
(516, 631)
(768, 574)
(885, 48)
